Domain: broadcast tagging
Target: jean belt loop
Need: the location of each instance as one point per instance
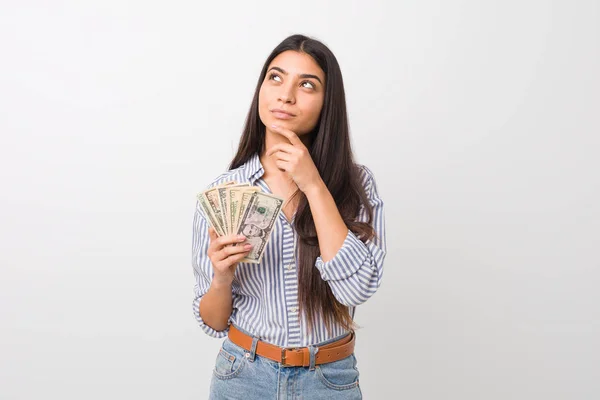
(312, 350)
(253, 349)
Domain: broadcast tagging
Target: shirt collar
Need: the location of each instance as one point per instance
(254, 168)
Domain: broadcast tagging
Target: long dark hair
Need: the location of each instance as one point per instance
(331, 152)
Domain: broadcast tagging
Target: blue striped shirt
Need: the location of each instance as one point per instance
(265, 295)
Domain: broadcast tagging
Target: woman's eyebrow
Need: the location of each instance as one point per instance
(301, 75)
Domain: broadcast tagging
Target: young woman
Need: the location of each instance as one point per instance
(288, 321)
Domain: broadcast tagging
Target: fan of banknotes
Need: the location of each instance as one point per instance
(241, 209)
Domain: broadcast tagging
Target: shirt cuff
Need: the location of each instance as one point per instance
(349, 258)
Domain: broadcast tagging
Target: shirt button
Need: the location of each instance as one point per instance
(290, 267)
(293, 309)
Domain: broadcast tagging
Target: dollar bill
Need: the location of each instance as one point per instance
(212, 198)
(232, 206)
(212, 202)
(235, 199)
(257, 223)
(223, 200)
(246, 196)
(209, 216)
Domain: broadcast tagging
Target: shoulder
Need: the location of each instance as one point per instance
(367, 178)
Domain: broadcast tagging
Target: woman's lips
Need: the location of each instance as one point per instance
(281, 115)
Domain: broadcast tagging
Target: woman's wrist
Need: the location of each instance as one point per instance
(315, 190)
(222, 283)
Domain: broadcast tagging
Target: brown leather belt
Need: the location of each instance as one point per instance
(298, 356)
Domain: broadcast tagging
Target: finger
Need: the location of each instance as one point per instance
(293, 138)
(212, 233)
(223, 241)
(227, 251)
(232, 259)
(283, 165)
(280, 155)
(283, 147)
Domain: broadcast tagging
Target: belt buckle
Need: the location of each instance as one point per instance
(283, 364)
(283, 350)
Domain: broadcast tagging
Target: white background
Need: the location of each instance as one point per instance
(480, 121)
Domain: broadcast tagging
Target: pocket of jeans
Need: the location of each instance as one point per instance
(228, 365)
(339, 375)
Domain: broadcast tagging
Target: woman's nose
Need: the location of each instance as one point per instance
(286, 95)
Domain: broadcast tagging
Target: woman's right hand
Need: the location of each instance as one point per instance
(224, 256)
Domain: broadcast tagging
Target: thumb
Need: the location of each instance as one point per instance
(212, 234)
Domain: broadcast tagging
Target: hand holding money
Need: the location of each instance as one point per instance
(241, 209)
(225, 255)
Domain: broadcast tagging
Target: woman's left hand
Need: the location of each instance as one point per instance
(295, 159)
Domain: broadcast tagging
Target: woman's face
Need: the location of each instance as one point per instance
(292, 93)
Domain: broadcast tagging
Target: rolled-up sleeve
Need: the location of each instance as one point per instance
(203, 271)
(354, 274)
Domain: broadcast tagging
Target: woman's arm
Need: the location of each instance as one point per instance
(352, 269)
(331, 229)
(216, 306)
(213, 298)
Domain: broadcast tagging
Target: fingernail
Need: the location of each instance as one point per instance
(241, 238)
(248, 246)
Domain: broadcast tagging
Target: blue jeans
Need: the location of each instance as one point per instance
(242, 374)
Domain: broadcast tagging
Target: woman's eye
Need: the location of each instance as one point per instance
(306, 84)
